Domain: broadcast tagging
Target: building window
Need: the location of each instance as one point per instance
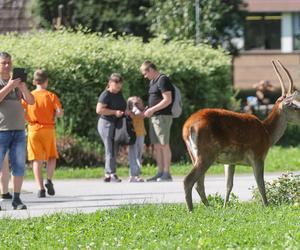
(263, 31)
(296, 31)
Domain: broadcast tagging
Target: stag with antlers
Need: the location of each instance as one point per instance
(222, 136)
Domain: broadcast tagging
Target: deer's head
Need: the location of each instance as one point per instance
(288, 100)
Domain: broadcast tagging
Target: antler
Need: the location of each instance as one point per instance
(283, 90)
(288, 76)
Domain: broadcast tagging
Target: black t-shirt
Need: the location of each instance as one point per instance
(156, 88)
(113, 101)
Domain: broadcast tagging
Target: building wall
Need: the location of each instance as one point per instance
(250, 68)
(13, 16)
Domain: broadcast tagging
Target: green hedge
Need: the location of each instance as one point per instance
(79, 64)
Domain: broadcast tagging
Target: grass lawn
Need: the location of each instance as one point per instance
(239, 226)
(278, 160)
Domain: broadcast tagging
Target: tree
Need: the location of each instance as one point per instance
(220, 20)
(120, 16)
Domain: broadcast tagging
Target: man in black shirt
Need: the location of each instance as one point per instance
(161, 94)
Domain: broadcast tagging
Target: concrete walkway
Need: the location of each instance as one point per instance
(73, 196)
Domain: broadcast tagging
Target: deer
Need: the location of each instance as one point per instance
(215, 135)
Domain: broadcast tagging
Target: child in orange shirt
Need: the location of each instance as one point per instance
(135, 106)
(41, 142)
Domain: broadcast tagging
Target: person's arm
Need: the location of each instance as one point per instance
(101, 109)
(9, 87)
(26, 94)
(59, 112)
(166, 101)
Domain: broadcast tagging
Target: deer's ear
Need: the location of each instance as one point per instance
(290, 98)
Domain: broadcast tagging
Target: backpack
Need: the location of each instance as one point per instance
(177, 103)
(124, 131)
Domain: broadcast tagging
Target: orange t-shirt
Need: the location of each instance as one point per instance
(139, 127)
(42, 113)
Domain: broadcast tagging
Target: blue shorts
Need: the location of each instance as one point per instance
(14, 141)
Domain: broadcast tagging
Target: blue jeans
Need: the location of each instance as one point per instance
(14, 141)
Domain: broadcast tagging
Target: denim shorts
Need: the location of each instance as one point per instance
(14, 142)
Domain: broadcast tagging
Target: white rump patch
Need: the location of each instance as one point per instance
(193, 144)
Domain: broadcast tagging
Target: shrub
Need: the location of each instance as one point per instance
(284, 190)
(78, 151)
(79, 64)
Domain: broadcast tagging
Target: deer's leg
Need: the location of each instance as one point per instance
(189, 182)
(258, 169)
(229, 173)
(201, 189)
(203, 167)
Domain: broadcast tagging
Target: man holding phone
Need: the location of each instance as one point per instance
(12, 124)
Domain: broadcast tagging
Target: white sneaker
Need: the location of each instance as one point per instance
(135, 179)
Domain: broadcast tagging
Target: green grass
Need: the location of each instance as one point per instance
(279, 159)
(240, 226)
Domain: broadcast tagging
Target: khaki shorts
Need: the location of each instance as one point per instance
(160, 128)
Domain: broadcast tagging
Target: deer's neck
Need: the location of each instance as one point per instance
(275, 123)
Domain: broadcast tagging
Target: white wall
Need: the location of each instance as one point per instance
(287, 33)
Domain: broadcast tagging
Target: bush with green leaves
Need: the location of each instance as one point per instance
(79, 64)
(284, 190)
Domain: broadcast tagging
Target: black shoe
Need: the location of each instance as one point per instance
(50, 188)
(17, 204)
(41, 193)
(114, 178)
(6, 196)
(165, 177)
(155, 177)
(106, 178)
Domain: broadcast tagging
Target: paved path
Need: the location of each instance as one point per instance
(86, 196)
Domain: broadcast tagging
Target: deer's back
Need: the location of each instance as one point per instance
(227, 132)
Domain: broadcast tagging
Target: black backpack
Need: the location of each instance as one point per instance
(124, 131)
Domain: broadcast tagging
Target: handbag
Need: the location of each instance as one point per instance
(124, 131)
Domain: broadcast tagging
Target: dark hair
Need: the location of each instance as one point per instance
(40, 76)
(4, 54)
(149, 65)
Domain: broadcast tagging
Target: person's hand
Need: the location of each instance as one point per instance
(14, 83)
(119, 113)
(148, 112)
(22, 86)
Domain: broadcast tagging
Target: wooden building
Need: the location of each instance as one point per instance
(14, 16)
(272, 31)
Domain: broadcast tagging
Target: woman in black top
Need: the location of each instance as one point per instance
(111, 105)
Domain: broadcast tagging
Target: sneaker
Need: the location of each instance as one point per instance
(136, 179)
(154, 178)
(165, 177)
(17, 204)
(50, 188)
(107, 178)
(41, 193)
(114, 178)
(6, 196)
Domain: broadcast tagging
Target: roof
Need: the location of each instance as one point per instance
(272, 5)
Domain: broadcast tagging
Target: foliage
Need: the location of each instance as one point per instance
(101, 16)
(220, 20)
(278, 160)
(79, 64)
(161, 226)
(284, 190)
(74, 150)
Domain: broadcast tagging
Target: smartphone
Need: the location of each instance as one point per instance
(19, 73)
